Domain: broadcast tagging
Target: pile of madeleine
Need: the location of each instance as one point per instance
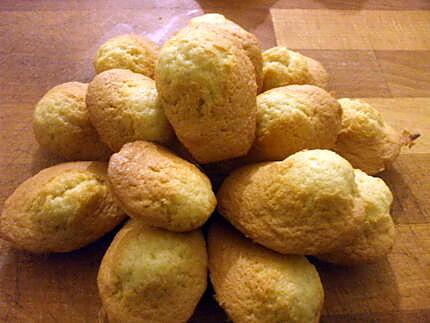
(295, 164)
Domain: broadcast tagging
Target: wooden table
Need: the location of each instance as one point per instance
(379, 50)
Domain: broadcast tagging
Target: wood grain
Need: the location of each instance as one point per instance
(401, 282)
(352, 29)
(409, 180)
(51, 288)
(382, 54)
(353, 73)
(406, 73)
(359, 73)
(375, 56)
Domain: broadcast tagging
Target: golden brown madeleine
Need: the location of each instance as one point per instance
(293, 118)
(132, 52)
(62, 126)
(306, 204)
(282, 66)
(164, 190)
(255, 284)
(152, 275)
(208, 90)
(246, 40)
(124, 107)
(60, 209)
(377, 238)
(366, 140)
(289, 119)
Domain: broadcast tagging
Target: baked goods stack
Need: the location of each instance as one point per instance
(296, 165)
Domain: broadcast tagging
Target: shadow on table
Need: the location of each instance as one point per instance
(42, 159)
(253, 15)
(409, 203)
(359, 291)
(48, 286)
